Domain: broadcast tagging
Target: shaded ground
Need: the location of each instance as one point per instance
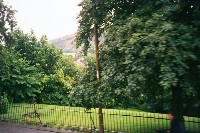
(17, 128)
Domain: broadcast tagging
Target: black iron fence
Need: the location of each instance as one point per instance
(79, 119)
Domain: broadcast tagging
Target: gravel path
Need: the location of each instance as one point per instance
(17, 128)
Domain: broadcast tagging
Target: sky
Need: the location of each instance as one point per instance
(54, 18)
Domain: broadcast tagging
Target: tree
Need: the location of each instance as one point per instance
(37, 51)
(85, 92)
(68, 66)
(96, 21)
(108, 12)
(144, 46)
(57, 72)
(56, 89)
(7, 22)
(104, 13)
(155, 55)
(30, 66)
(18, 79)
(58, 85)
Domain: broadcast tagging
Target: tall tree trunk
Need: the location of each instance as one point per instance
(177, 102)
(177, 108)
(101, 126)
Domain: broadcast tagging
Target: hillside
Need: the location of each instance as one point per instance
(65, 43)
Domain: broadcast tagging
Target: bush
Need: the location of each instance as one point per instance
(3, 104)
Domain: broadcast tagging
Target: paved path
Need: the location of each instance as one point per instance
(17, 128)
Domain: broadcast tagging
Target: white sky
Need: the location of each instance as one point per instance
(54, 18)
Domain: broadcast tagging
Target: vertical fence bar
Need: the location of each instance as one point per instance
(144, 122)
(198, 124)
(18, 112)
(81, 122)
(13, 109)
(148, 117)
(193, 124)
(97, 118)
(60, 117)
(55, 112)
(78, 116)
(68, 111)
(116, 119)
(135, 119)
(129, 119)
(141, 120)
(50, 115)
(132, 121)
(46, 114)
(108, 117)
(75, 117)
(24, 118)
(162, 121)
(8, 114)
(85, 119)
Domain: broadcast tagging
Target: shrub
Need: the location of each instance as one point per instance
(3, 104)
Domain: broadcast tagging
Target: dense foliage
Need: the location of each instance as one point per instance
(3, 103)
(34, 71)
(154, 57)
(19, 79)
(151, 51)
(7, 22)
(31, 69)
(88, 92)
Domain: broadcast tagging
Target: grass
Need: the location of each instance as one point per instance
(77, 118)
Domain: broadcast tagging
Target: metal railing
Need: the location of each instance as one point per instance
(79, 119)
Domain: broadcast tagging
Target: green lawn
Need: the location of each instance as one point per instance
(77, 118)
